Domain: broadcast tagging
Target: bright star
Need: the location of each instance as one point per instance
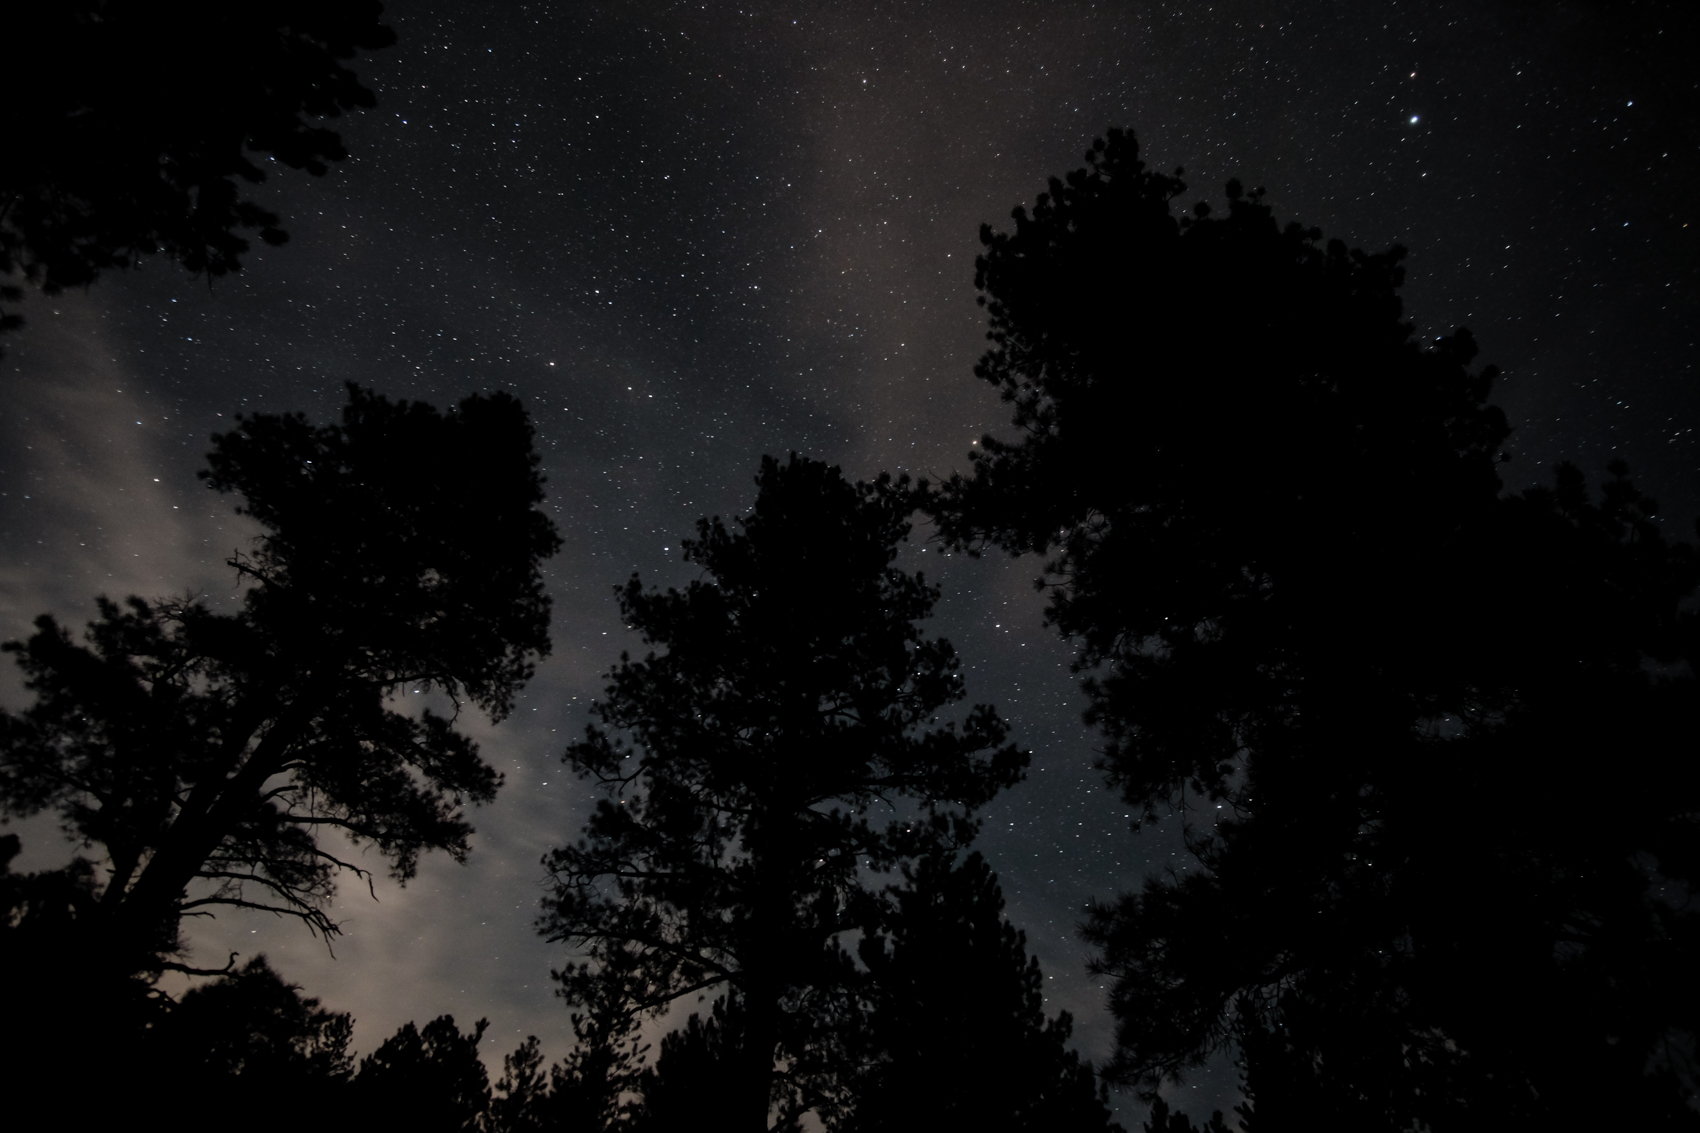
(1413, 119)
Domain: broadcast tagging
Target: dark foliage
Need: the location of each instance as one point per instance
(1163, 1121)
(250, 1024)
(200, 754)
(948, 1030)
(1387, 699)
(428, 1079)
(249, 1049)
(129, 126)
(232, 1046)
(247, 1040)
(685, 1091)
(517, 1104)
(745, 764)
(54, 986)
(958, 1033)
(589, 1089)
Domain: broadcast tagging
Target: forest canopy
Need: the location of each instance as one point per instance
(1315, 626)
(1426, 735)
(114, 150)
(201, 755)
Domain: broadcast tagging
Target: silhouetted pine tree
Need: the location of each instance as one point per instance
(957, 1035)
(1432, 741)
(790, 693)
(686, 1089)
(590, 1088)
(199, 754)
(247, 1040)
(428, 1079)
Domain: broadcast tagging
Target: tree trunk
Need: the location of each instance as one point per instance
(761, 1036)
(153, 901)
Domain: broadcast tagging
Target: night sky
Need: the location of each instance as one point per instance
(690, 234)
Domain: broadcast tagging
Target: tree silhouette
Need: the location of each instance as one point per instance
(587, 1090)
(1382, 694)
(128, 126)
(426, 1078)
(248, 1041)
(1163, 1121)
(52, 975)
(958, 1032)
(252, 1024)
(241, 1042)
(952, 1033)
(245, 1040)
(686, 1088)
(795, 694)
(516, 1105)
(200, 754)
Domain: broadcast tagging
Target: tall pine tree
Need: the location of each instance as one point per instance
(782, 739)
(1387, 698)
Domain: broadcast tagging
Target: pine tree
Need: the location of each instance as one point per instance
(957, 1035)
(1386, 698)
(199, 754)
(790, 700)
